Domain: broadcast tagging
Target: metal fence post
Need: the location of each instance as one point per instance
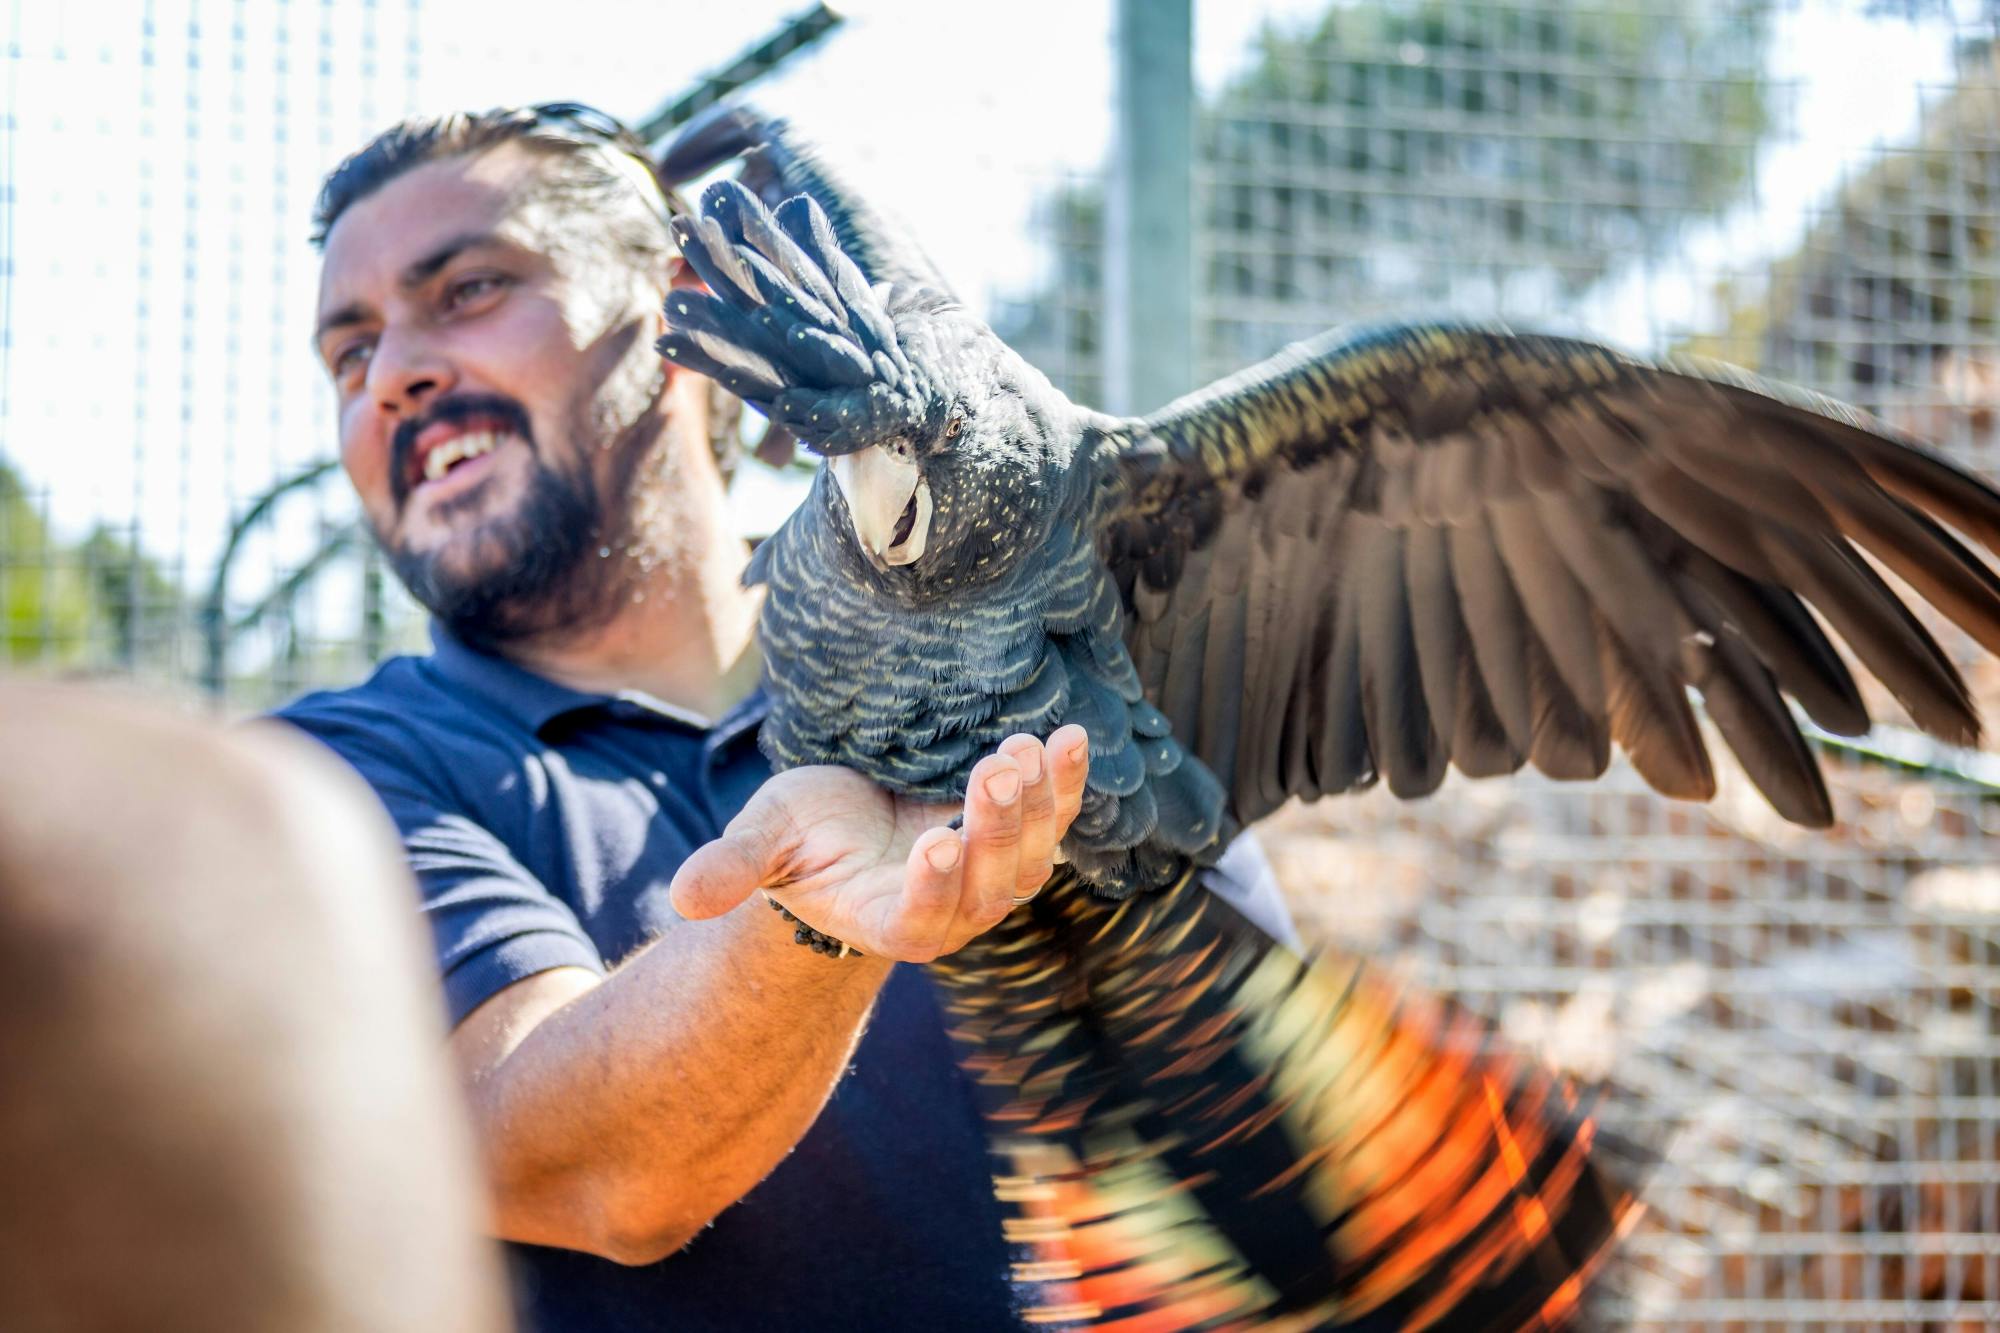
(1149, 218)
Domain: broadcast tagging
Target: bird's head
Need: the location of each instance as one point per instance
(962, 483)
(944, 449)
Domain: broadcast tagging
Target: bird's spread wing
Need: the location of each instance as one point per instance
(779, 163)
(1384, 553)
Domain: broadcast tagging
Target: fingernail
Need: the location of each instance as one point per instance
(1003, 786)
(942, 854)
(1031, 764)
(1077, 749)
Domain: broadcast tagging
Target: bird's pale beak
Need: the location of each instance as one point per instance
(890, 502)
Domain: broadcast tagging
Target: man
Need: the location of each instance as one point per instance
(546, 488)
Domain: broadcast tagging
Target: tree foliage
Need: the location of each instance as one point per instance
(1543, 134)
(75, 605)
(46, 610)
(1408, 155)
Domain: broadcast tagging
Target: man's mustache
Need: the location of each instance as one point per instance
(456, 410)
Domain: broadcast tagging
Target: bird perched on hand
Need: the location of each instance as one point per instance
(1376, 555)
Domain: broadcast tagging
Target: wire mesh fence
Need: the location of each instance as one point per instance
(1808, 189)
(1806, 1023)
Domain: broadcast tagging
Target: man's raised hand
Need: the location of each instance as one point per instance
(884, 874)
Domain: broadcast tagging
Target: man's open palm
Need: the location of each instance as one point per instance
(884, 874)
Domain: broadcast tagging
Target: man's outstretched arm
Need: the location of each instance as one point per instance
(619, 1115)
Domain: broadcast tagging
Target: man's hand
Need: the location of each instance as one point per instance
(882, 873)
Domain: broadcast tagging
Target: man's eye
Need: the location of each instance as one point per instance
(468, 290)
(351, 358)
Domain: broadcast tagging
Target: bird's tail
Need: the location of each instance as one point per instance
(1195, 1128)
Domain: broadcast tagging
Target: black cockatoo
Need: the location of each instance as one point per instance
(1375, 555)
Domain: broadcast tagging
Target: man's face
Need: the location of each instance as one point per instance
(488, 354)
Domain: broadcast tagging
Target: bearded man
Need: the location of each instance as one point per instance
(575, 776)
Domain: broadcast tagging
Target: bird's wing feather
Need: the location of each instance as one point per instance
(1378, 554)
(777, 163)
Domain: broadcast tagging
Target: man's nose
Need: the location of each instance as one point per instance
(406, 371)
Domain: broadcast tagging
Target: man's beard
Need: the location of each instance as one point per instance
(533, 572)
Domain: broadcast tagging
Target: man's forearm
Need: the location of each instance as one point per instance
(626, 1119)
(620, 1116)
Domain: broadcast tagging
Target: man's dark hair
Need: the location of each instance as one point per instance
(595, 163)
(597, 169)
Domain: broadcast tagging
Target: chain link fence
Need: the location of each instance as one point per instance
(1811, 189)
(1805, 1022)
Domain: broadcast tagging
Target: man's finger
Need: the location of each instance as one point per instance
(921, 926)
(992, 840)
(1038, 826)
(1068, 752)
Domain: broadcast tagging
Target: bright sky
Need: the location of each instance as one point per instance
(166, 153)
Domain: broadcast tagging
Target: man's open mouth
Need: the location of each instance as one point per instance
(433, 461)
(456, 450)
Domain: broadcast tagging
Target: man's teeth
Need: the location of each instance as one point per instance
(456, 450)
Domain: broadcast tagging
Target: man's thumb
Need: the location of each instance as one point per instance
(722, 874)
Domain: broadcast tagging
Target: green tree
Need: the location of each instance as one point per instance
(1548, 133)
(47, 614)
(1416, 155)
(142, 607)
(76, 605)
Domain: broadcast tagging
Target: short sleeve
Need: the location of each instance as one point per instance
(493, 923)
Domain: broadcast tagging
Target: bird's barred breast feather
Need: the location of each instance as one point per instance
(913, 697)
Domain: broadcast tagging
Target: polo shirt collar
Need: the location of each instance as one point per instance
(536, 702)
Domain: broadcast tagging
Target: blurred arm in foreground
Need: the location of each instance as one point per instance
(222, 1105)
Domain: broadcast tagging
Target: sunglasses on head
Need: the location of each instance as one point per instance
(594, 126)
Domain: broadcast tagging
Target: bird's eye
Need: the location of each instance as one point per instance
(952, 427)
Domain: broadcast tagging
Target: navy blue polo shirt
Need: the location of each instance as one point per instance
(544, 826)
